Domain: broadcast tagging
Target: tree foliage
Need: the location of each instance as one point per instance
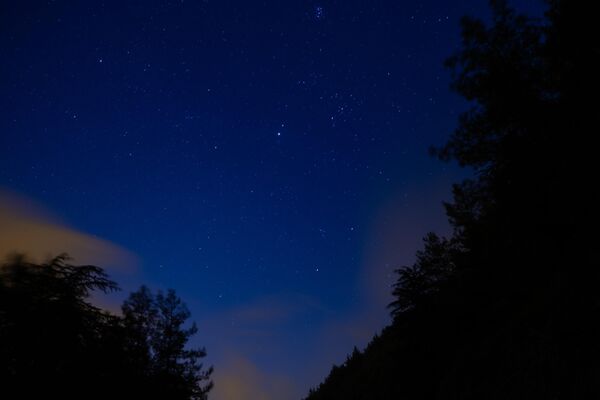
(434, 265)
(507, 307)
(158, 338)
(55, 343)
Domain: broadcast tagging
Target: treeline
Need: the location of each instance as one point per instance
(508, 306)
(55, 344)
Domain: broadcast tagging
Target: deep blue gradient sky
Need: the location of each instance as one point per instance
(268, 160)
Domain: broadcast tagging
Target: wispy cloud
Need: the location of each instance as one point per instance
(250, 344)
(240, 379)
(261, 335)
(27, 227)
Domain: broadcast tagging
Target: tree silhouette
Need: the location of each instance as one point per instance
(434, 265)
(158, 341)
(507, 307)
(49, 332)
(55, 343)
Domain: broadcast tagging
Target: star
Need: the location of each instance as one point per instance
(319, 12)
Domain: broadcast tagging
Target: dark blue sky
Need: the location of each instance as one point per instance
(268, 160)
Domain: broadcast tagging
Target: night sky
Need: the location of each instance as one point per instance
(268, 160)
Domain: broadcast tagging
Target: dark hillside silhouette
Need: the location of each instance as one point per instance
(55, 344)
(508, 306)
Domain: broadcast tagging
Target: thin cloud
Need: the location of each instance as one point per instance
(27, 227)
(240, 379)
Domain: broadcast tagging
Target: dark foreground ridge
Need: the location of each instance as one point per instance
(508, 306)
(55, 344)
